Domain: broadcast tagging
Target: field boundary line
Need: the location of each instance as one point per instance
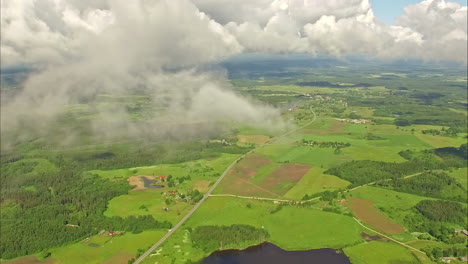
(250, 197)
(258, 187)
(394, 240)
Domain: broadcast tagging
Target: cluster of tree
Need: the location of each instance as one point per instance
(371, 136)
(429, 184)
(436, 252)
(172, 181)
(443, 211)
(277, 209)
(450, 153)
(366, 171)
(325, 196)
(418, 223)
(438, 219)
(194, 196)
(450, 132)
(325, 144)
(211, 238)
(204, 170)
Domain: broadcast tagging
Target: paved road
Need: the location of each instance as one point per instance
(207, 194)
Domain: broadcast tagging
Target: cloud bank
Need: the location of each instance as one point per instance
(192, 32)
(118, 48)
(83, 48)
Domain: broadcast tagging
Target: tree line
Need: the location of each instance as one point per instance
(212, 238)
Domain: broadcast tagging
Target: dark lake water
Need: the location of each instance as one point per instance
(270, 254)
(147, 182)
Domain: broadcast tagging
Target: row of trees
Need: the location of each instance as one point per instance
(436, 252)
(325, 144)
(211, 238)
(450, 132)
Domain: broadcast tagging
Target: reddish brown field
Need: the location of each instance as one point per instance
(287, 173)
(120, 258)
(335, 128)
(237, 181)
(30, 260)
(247, 167)
(365, 210)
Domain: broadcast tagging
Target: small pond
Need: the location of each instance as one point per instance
(270, 253)
(149, 183)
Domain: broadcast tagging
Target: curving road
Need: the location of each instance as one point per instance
(207, 194)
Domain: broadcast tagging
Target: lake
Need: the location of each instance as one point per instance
(271, 254)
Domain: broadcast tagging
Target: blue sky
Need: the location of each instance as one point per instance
(388, 10)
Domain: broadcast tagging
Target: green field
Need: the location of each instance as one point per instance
(461, 175)
(395, 205)
(127, 245)
(380, 252)
(315, 181)
(329, 230)
(152, 200)
(199, 169)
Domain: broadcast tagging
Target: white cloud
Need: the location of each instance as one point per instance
(89, 46)
(443, 27)
(128, 44)
(53, 31)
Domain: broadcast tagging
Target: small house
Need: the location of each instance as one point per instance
(162, 178)
(463, 231)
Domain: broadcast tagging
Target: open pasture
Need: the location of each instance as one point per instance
(441, 141)
(315, 181)
(290, 228)
(204, 168)
(238, 180)
(365, 210)
(252, 139)
(283, 178)
(333, 127)
(117, 249)
(147, 202)
(30, 260)
(380, 252)
(461, 175)
(259, 176)
(394, 205)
